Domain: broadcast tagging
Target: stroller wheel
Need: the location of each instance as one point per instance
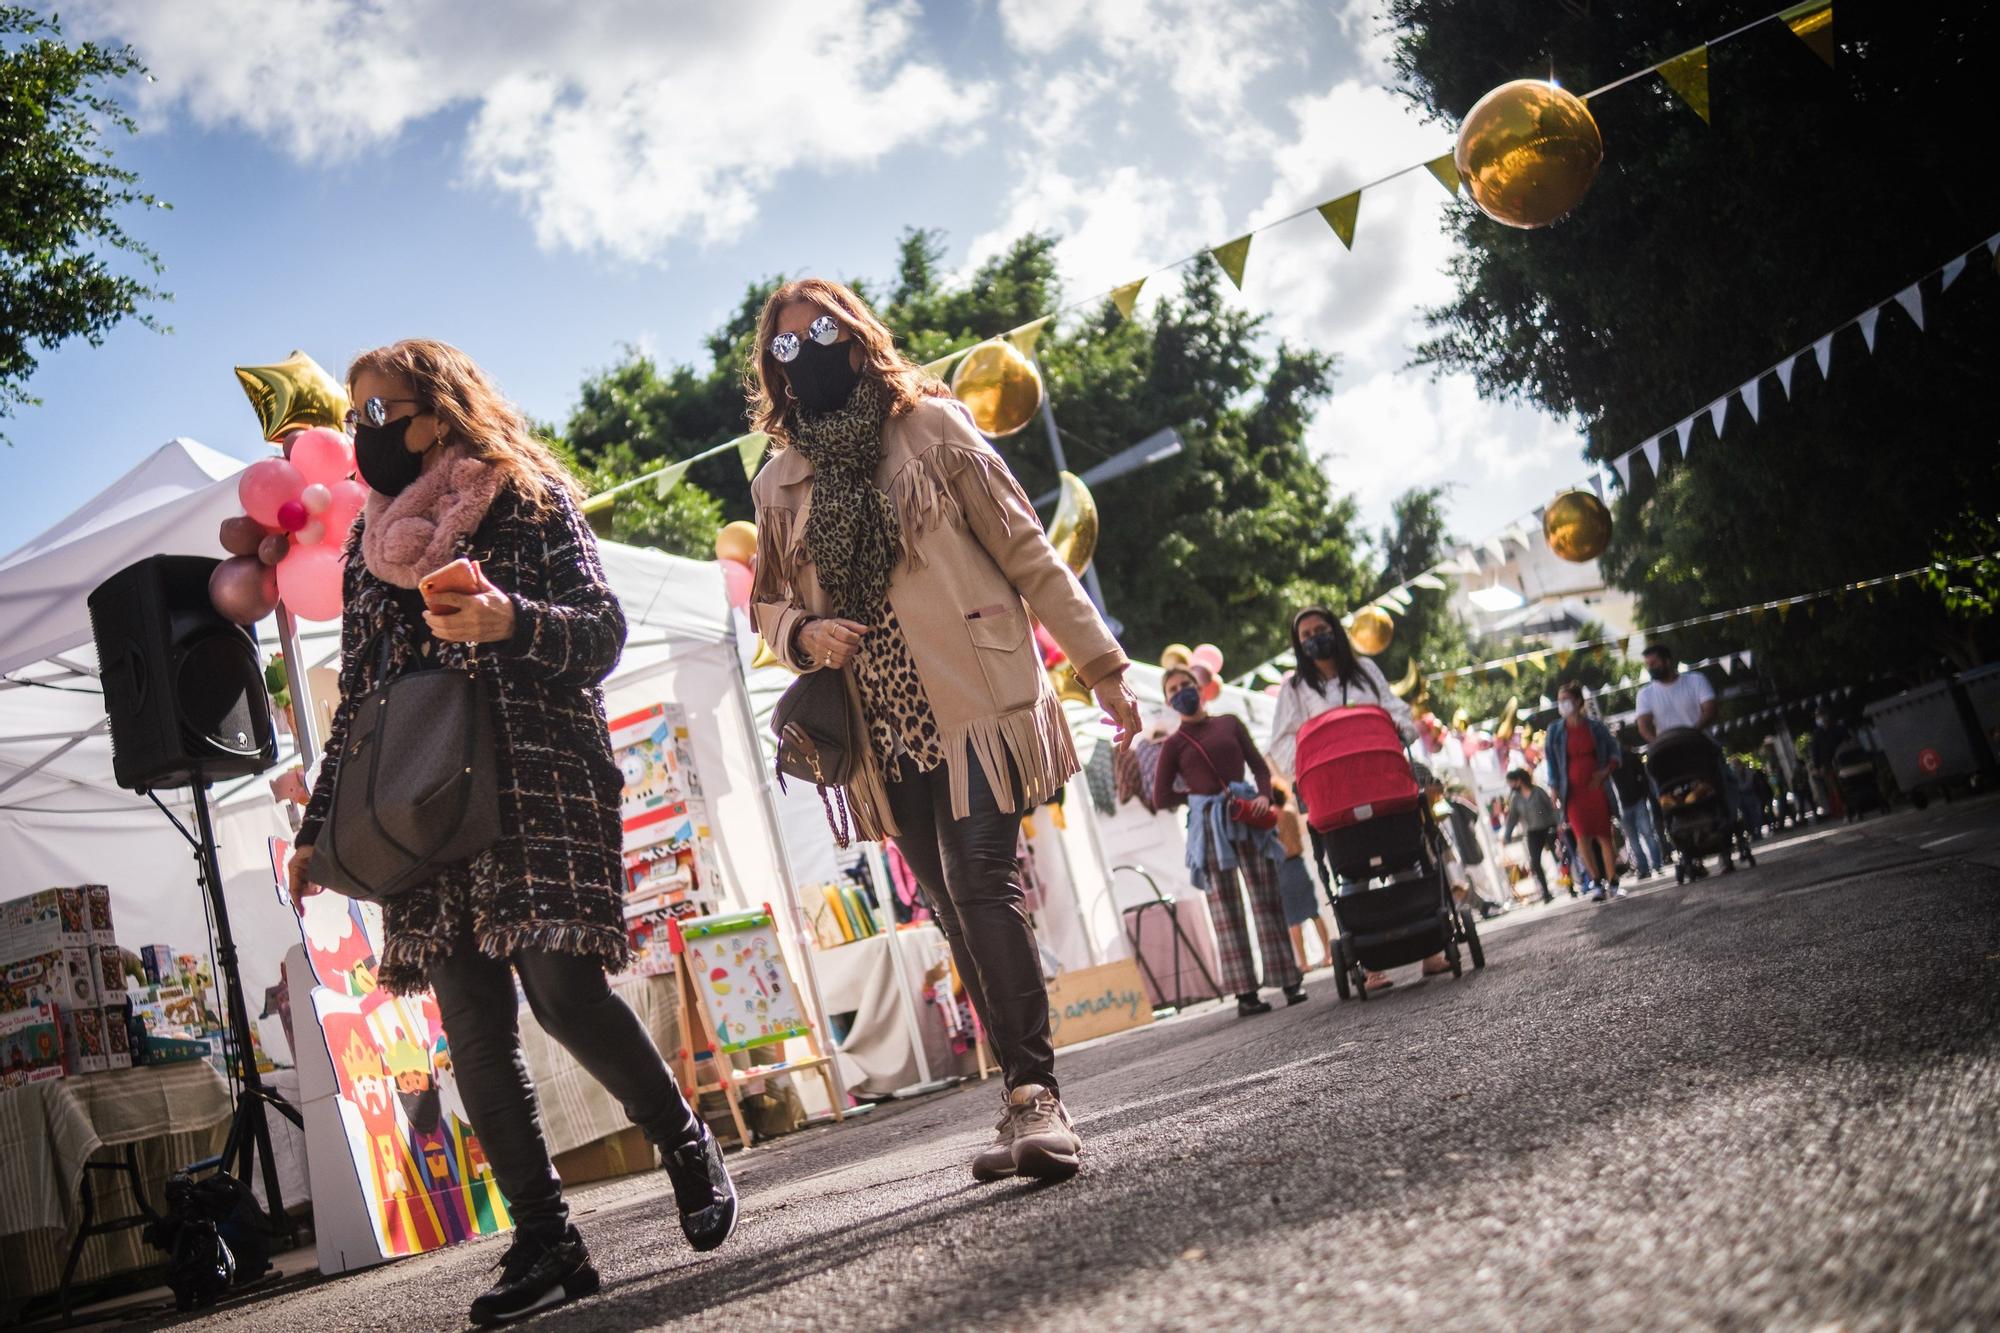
(1340, 976)
(1472, 945)
(1360, 983)
(1680, 875)
(1451, 953)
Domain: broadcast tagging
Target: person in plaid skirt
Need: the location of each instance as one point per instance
(1219, 767)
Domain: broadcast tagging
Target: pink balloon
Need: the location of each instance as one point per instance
(272, 549)
(736, 582)
(316, 498)
(312, 534)
(349, 497)
(1207, 655)
(309, 581)
(241, 535)
(292, 516)
(266, 484)
(322, 455)
(243, 590)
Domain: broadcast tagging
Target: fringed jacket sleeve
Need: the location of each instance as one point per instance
(573, 635)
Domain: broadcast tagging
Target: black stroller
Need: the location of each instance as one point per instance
(1372, 827)
(1860, 783)
(1695, 798)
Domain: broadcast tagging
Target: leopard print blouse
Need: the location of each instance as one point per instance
(893, 697)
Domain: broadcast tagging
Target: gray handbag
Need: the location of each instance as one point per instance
(415, 786)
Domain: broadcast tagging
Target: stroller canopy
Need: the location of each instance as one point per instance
(1684, 755)
(1351, 766)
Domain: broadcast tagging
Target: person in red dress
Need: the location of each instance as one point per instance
(1582, 752)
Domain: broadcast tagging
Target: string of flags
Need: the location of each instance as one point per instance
(1628, 645)
(1783, 711)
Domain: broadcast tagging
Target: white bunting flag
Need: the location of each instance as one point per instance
(1651, 448)
(1785, 373)
(1823, 349)
(1750, 392)
(1911, 298)
(1618, 466)
(1723, 662)
(1993, 245)
(1604, 479)
(1951, 271)
(1686, 432)
(1867, 323)
(1497, 547)
(1597, 484)
(1718, 412)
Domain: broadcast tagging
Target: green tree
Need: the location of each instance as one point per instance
(683, 523)
(1427, 632)
(60, 197)
(1705, 252)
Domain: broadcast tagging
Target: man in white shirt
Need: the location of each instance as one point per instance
(1672, 699)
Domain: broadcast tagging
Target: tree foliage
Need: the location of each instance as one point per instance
(60, 197)
(1704, 253)
(1218, 544)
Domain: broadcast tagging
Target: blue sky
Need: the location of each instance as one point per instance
(545, 183)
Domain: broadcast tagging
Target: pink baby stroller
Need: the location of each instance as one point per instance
(1374, 834)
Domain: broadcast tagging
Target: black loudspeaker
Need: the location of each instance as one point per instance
(183, 686)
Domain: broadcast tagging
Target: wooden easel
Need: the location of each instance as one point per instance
(700, 1030)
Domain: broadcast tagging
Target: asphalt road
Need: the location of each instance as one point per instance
(1770, 1099)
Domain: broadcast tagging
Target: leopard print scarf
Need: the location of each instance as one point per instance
(852, 532)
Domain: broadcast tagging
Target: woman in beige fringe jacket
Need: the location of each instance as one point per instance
(894, 545)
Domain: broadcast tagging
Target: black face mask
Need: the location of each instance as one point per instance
(1186, 701)
(1320, 647)
(380, 457)
(1659, 672)
(821, 375)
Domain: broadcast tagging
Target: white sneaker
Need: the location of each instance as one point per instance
(996, 1161)
(1046, 1146)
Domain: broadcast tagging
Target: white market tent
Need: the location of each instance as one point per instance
(64, 821)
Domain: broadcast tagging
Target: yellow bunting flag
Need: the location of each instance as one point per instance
(1540, 661)
(1340, 215)
(1784, 611)
(1231, 255)
(1812, 23)
(1562, 658)
(670, 477)
(1512, 668)
(1445, 170)
(750, 448)
(1450, 680)
(1687, 74)
(1127, 297)
(936, 369)
(1025, 337)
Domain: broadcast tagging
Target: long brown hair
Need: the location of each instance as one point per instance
(772, 408)
(474, 414)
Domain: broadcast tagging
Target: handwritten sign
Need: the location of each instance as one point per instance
(1096, 1001)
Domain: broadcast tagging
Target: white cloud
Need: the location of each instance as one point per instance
(617, 126)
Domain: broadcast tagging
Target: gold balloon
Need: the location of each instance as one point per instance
(1461, 720)
(1074, 531)
(737, 541)
(1371, 630)
(764, 656)
(1175, 655)
(292, 395)
(1002, 387)
(1507, 718)
(1528, 151)
(1577, 526)
(1063, 676)
(1410, 680)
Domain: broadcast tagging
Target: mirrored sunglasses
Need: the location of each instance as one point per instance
(825, 331)
(375, 412)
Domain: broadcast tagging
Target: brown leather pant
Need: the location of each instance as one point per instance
(971, 877)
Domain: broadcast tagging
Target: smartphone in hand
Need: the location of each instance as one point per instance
(461, 575)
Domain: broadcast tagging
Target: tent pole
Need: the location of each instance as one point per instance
(295, 685)
(801, 928)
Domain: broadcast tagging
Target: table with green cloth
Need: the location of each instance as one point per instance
(171, 1114)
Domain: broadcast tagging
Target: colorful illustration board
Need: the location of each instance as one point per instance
(670, 862)
(740, 974)
(423, 1175)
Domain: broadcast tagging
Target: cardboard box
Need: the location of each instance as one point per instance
(118, 1035)
(107, 968)
(99, 901)
(83, 1041)
(30, 1046)
(63, 977)
(158, 962)
(39, 922)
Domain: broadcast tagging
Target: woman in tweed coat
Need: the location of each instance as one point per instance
(454, 472)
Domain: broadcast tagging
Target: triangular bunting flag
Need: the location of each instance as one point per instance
(1340, 215)
(1993, 245)
(1446, 172)
(1785, 374)
(1687, 74)
(1450, 681)
(1025, 337)
(1867, 323)
(1757, 614)
(750, 448)
(936, 369)
(1498, 548)
(1232, 255)
(1823, 349)
(1686, 432)
(1127, 296)
(1540, 661)
(1812, 23)
(1749, 392)
(1784, 612)
(1512, 668)
(1618, 466)
(670, 477)
(1428, 581)
(1651, 449)
(1911, 298)
(1723, 662)
(1952, 269)
(1597, 484)
(1562, 658)
(1718, 411)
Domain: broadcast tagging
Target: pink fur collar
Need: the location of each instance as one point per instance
(409, 535)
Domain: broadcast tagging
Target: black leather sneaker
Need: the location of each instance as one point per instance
(535, 1276)
(703, 1191)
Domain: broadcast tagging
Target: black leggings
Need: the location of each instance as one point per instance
(571, 1000)
(1540, 840)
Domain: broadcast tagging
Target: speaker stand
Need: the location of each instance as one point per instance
(249, 1140)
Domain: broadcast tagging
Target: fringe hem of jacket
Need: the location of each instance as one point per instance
(1028, 752)
(408, 958)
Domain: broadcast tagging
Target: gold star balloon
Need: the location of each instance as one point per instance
(292, 395)
(1371, 630)
(1073, 531)
(1577, 526)
(1528, 152)
(1002, 387)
